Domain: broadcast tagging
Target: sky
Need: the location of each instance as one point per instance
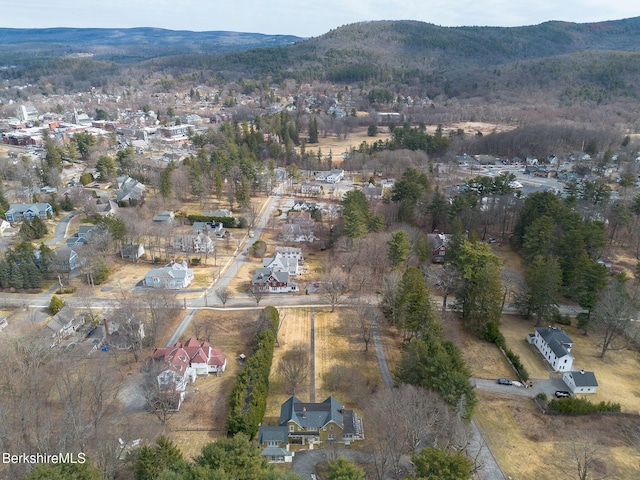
(300, 17)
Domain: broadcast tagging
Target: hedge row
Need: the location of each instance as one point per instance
(227, 222)
(248, 398)
(574, 405)
(494, 334)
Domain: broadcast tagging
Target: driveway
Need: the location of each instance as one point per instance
(540, 385)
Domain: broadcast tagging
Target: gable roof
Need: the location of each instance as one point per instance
(195, 352)
(559, 342)
(62, 319)
(269, 433)
(312, 416)
(584, 379)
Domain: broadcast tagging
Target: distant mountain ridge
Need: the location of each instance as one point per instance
(570, 62)
(121, 44)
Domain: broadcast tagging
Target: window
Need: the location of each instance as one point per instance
(331, 437)
(291, 428)
(331, 428)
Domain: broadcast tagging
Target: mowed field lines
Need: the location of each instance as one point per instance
(342, 366)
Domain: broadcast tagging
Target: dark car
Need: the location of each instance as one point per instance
(504, 381)
(562, 394)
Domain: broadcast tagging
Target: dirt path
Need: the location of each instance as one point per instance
(312, 360)
(382, 360)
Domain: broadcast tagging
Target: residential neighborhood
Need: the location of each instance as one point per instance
(211, 261)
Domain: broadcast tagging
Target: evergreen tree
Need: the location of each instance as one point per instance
(343, 469)
(433, 463)
(542, 287)
(313, 130)
(480, 296)
(399, 248)
(415, 309)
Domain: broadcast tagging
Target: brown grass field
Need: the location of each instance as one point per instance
(524, 441)
(531, 446)
(336, 345)
(359, 135)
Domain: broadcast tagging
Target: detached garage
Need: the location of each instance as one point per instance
(581, 381)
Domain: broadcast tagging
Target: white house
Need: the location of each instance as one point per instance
(64, 323)
(291, 252)
(280, 263)
(580, 381)
(203, 359)
(173, 276)
(174, 375)
(198, 243)
(555, 346)
(303, 205)
(335, 176)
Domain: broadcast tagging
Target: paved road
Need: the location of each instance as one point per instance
(61, 229)
(540, 385)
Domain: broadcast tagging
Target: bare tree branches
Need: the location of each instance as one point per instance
(293, 367)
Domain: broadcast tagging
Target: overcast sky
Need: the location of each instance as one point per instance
(299, 17)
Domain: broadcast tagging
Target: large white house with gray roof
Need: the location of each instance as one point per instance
(555, 346)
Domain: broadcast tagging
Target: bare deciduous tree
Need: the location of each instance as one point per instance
(223, 294)
(334, 286)
(367, 318)
(612, 316)
(293, 367)
(257, 292)
(406, 419)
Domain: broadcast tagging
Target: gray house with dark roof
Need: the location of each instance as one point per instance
(327, 421)
(275, 444)
(555, 346)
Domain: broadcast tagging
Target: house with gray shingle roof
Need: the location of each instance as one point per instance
(580, 381)
(274, 441)
(21, 211)
(269, 281)
(555, 346)
(313, 423)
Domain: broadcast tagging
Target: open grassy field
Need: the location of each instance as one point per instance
(617, 374)
(530, 445)
(342, 366)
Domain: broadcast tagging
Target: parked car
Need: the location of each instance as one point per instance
(562, 394)
(504, 381)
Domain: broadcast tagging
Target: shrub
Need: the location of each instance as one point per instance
(542, 396)
(86, 178)
(493, 334)
(195, 261)
(248, 398)
(517, 364)
(55, 304)
(581, 406)
(560, 319)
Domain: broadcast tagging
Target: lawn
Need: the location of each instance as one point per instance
(342, 366)
(617, 374)
(530, 445)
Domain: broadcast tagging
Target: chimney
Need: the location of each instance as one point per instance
(582, 372)
(106, 328)
(304, 412)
